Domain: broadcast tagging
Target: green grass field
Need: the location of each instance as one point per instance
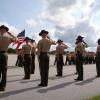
(94, 98)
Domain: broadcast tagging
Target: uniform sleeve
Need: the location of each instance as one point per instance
(98, 49)
(8, 39)
(23, 48)
(39, 45)
(85, 45)
(65, 47)
(52, 42)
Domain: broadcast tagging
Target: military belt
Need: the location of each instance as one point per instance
(43, 52)
(2, 51)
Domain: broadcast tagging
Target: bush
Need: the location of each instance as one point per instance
(11, 50)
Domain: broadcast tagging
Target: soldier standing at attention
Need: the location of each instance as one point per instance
(98, 59)
(43, 49)
(4, 43)
(59, 52)
(79, 50)
(67, 60)
(33, 52)
(19, 61)
(26, 50)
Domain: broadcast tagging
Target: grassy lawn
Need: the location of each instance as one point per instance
(94, 98)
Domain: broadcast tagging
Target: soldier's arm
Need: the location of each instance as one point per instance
(85, 44)
(35, 45)
(53, 42)
(38, 48)
(13, 38)
(22, 52)
(57, 53)
(65, 46)
(98, 49)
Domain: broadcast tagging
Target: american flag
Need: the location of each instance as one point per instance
(21, 37)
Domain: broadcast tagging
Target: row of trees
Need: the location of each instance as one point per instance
(11, 51)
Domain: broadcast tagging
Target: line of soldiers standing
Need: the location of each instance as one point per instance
(26, 57)
(43, 48)
(88, 58)
(79, 51)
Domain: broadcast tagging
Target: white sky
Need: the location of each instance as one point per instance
(64, 19)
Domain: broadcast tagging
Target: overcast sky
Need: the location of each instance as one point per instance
(64, 19)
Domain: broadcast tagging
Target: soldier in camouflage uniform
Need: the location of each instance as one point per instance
(79, 50)
(4, 43)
